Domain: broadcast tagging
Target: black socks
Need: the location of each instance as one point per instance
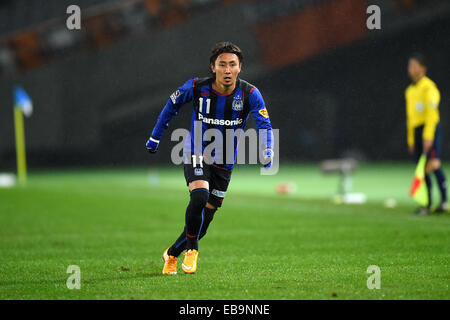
(442, 183)
(208, 215)
(428, 182)
(195, 216)
(182, 242)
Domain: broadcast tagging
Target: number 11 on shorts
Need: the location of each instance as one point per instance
(194, 160)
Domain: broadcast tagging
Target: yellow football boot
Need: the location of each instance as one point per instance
(170, 263)
(190, 261)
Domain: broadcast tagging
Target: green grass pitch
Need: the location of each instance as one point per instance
(115, 224)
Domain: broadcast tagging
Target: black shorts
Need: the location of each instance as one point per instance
(436, 149)
(218, 179)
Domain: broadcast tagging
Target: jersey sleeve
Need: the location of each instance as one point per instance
(261, 116)
(409, 133)
(181, 96)
(409, 126)
(431, 104)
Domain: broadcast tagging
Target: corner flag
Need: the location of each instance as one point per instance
(23, 101)
(418, 188)
(22, 106)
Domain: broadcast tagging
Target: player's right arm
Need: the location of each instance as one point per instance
(410, 135)
(409, 127)
(181, 96)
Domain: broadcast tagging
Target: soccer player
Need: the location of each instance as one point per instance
(423, 127)
(222, 101)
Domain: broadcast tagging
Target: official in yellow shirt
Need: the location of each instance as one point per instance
(423, 126)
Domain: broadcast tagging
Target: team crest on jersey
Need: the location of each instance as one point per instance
(264, 113)
(419, 107)
(175, 96)
(238, 104)
(198, 171)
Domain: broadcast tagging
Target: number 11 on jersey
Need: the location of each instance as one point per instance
(208, 104)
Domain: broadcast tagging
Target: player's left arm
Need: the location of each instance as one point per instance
(431, 105)
(261, 116)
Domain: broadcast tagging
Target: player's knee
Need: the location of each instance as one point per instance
(199, 198)
(210, 206)
(433, 165)
(214, 202)
(437, 164)
(209, 211)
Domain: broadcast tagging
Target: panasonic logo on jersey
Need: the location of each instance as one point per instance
(220, 122)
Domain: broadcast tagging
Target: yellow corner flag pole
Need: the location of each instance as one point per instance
(20, 145)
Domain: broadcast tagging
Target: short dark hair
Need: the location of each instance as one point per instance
(420, 58)
(225, 47)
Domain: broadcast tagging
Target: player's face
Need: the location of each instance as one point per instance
(415, 69)
(226, 68)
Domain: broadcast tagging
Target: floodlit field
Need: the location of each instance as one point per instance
(115, 224)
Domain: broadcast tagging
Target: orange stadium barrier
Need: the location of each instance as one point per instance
(290, 39)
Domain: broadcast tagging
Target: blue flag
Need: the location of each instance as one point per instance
(23, 101)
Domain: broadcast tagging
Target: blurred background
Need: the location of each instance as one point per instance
(96, 199)
(333, 87)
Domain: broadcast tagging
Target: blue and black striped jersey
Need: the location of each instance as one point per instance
(217, 111)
